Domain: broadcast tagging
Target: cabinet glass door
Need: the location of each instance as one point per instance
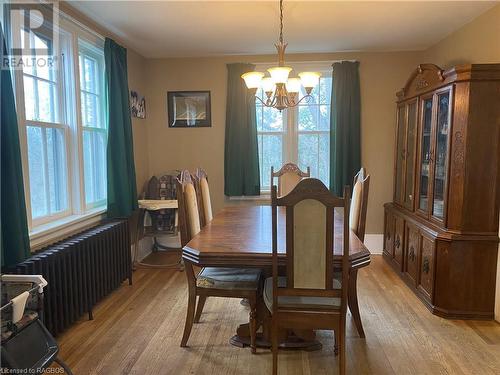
(440, 155)
(425, 155)
(400, 154)
(411, 138)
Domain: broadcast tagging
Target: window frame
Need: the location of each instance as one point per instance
(78, 214)
(92, 51)
(291, 132)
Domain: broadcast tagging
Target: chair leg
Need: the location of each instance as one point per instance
(253, 325)
(342, 348)
(191, 304)
(274, 345)
(353, 302)
(199, 309)
(336, 342)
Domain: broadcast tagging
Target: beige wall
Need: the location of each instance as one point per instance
(476, 42)
(137, 82)
(381, 75)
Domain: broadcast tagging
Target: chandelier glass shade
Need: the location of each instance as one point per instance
(282, 91)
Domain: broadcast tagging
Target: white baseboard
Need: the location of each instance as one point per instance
(374, 243)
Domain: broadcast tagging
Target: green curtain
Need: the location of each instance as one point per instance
(122, 190)
(14, 237)
(241, 153)
(345, 125)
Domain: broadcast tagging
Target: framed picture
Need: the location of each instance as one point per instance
(189, 109)
(137, 104)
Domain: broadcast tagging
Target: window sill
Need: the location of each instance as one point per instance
(47, 233)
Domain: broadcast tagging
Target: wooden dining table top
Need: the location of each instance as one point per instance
(241, 236)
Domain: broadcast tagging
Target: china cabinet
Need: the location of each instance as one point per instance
(441, 230)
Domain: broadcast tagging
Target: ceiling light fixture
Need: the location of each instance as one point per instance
(281, 91)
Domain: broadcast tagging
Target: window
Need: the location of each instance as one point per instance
(300, 135)
(93, 123)
(46, 135)
(63, 131)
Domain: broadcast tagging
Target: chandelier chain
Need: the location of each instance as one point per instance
(281, 21)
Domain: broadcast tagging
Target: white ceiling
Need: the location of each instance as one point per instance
(207, 28)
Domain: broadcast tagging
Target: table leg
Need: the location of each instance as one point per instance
(353, 301)
(288, 339)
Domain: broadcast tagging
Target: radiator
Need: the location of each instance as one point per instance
(80, 270)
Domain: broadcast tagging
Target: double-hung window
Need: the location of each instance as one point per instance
(93, 119)
(299, 134)
(62, 125)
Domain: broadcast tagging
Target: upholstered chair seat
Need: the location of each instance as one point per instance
(296, 301)
(229, 278)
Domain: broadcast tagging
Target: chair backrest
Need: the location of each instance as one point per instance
(203, 195)
(189, 216)
(359, 203)
(288, 176)
(310, 237)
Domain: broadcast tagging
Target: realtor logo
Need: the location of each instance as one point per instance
(30, 32)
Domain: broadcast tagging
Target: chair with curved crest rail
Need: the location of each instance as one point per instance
(211, 281)
(203, 195)
(309, 296)
(288, 176)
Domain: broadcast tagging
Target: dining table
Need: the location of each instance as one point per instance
(241, 236)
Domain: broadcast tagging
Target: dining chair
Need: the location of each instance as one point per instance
(359, 203)
(211, 281)
(288, 176)
(309, 297)
(203, 196)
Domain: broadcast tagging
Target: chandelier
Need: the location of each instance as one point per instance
(281, 91)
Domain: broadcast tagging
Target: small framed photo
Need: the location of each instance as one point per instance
(189, 109)
(137, 105)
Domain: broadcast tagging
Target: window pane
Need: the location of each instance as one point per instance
(272, 120)
(89, 83)
(56, 162)
(325, 90)
(324, 117)
(89, 109)
(259, 115)
(94, 159)
(47, 170)
(36, 163)
(46, 101)
(41, 69)
(324, 159)
(308, 117)
(308, 152)
(29, 98)
(271, 154)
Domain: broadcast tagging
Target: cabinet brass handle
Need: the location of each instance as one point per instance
(426, 265)
(411, 254)
(398, 241)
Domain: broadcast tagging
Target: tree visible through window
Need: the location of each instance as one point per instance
(62, 128)
(300, 135)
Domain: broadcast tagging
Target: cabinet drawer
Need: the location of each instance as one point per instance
(389, 234)
(411, 252)
(399, 229)
(427, 265)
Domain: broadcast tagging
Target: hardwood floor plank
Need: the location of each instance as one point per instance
(137, 330)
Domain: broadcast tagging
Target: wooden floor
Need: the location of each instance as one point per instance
(137, 330)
